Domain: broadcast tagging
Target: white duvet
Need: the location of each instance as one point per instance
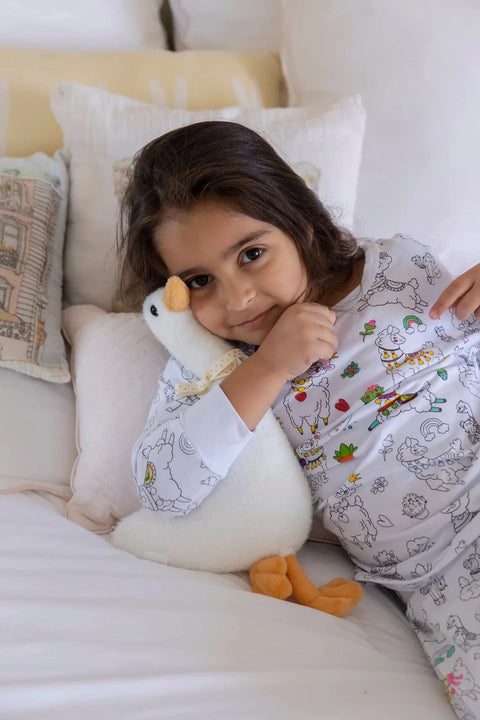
(88, 631)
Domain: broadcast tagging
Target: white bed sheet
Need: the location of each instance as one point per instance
(88, 631)
(37, 432)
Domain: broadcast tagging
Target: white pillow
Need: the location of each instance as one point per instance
(102, 131)
(226, 24)
(417, 68)
(116, 362)
(56, 24)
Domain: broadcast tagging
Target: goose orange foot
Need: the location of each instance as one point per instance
(268, 576)
(336, 597)
(281, 578)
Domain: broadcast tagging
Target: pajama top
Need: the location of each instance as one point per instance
(387, 431)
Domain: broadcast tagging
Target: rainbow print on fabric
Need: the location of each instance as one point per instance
(412, 323)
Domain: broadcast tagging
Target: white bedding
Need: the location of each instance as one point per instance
(36, 447)
(91, 632)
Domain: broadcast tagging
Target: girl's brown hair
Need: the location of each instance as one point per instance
(229, 162)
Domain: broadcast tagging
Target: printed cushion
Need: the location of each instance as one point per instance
(33, 203)
(102, 131)
(192, 80)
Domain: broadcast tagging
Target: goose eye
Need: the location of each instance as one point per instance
(154, 310)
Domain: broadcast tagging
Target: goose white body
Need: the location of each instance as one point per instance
(261, 508)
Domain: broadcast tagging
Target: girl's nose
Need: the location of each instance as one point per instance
(237, 293)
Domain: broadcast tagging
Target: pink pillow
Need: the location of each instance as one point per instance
(115, 365)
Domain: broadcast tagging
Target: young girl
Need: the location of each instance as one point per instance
(376, 386)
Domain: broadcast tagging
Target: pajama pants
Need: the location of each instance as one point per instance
(445, 615)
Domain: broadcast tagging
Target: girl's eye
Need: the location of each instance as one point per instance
(198, 282)
(252, 254)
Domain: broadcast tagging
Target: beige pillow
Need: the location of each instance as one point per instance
(193, 80)
(102, 131)
(33, 205)
(115, 365)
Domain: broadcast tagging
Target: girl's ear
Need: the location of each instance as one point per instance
(176, 297)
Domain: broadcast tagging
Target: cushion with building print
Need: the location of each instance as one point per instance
(33, 202)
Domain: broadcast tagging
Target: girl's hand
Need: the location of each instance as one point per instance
(302, 335)
(463, 294)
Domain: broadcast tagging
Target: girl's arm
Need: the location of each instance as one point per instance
(463, 294)
(187, 446)
(301, 336)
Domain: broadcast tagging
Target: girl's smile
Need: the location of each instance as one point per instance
(256, 321)
(242, 273)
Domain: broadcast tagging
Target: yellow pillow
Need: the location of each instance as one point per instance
(193, 80)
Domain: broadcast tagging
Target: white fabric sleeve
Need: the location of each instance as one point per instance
(216, 430)
(187, 446)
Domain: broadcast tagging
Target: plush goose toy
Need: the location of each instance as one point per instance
(260, 514)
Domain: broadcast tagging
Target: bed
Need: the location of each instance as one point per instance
(372, 102)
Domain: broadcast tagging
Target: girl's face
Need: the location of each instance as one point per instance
(242, 273)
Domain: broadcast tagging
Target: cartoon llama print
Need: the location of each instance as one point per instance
(387, 291)
(305, 407)
(312, 459)
(312, 454)
(468, 327)
(162, 454)
(464, 639)
(470, 424)
(441, 333)
(470, 587)
(425, 627)
(396, 362)
(392, 404)
(440, 472)
(432, 634)
(435, 585)
(472, 561)
(427, 262)
(353, 521)
(469, 371)
(174, 403)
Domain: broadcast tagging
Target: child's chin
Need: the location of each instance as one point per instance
(253, 338)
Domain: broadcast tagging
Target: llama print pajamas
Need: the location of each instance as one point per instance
(388, 434)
